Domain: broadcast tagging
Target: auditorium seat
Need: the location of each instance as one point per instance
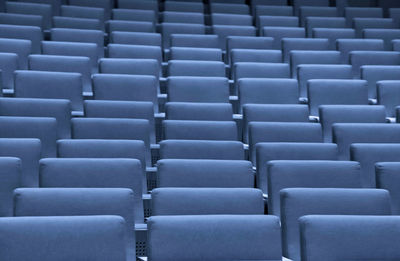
(361, 24)
(42, 128)
(34, 202)
(247, 42)
(134, 52)
(79, 35)
(224, 31)
(312, 57)
(180, 6)
(306, 72)
(272, 113)
(58, 63)
(21, 19)
(194, 40)
(86, 235)
(309, 174)
(388, 95)
(198, 111)
(11, 173)
(297, 4)
(50, 85)
(360, 12)
(77, 23)
(105, 4)
(138, 4)
(73, 49)
(130, 66)
(122, 109)
(360, 58)
(199, 130)
(298, 202)
(201, 149)
(303, 44)
(129, 26)
(386, 178)
(345, 134)
(32, 33)
(8, 64)
(214, 237)
(134, 15)
(29, 153)
(273, 20)
(336, 92)
(348, 237)
(282, 132)
(316, 11)
(279, 33)
(323, 22)
(333, 34)
(84, 12)
(394, 13)
(41, 9)
(55, 108)
(377, 73)
(206, 201)
(196, 68)
(135, 38)
(231, 19)
(167, 29)
(385, 34)
(182, 17)
(195, 54)
(345, 46)
(198, 89)
(266, 8)
(229, 8)
(20, 47)
(204, 173)
(255, 55)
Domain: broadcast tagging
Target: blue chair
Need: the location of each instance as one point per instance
(182, 17)
(129, 26)
(303, 44)
(11, 172)
(224, 31)
(134, 52)
(20, 47)
(196, 68)
(194, 40)
(361, 58)
(8, 64)
(198, 111)
(32, 33)
(377, 73)
(386, 178)
(167, 29)
(312, 57)
(225, 7)
(361, 24)
(297, 4)
(278, 33)
(133, 15)
(21, 19)
(105, 4)
(273, 20)
(135, 38)
(358, 12)
(139, 4)
(43, 10)
(77, 23)
(87, 235)
(316, 11)
(74, 10)
(345, 46)
(387, 95)
(231, 19)
(388, 35)
(130, 66)
(261, 7)
(333, 34)
(323, 22)
(181, 6)
(199, 54)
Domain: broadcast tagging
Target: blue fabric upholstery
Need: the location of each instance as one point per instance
(385, 34)
(204, 173)
(267, 151)
(73, 49)
(21, 19)
(32, 33)
(130, 66)
(307, 72)
(344, 134)
(375, 73)
(58, 63)
(396, 45)
(133, 15)
(330, 114)
(225, 7)
(10, 172)
(360, 58)
(249, 42)
(231, 19)
(79, 35)
(316, 11)
(260, 56)
(74, 10)
(56, 108)
(333, 34)
(198, 111)
(297, 4)
(387, 178)
(220, 237)
(53, 237)
(369, 154)
(206, 201)
(134, 52)
(32, 8)
(198, 89)
(79, 202)
(312, 57)
(139, 4)
(309, 174)
(223, 31)
(260, 7)
(336, 92)
(28, 151)
(77, 23)
(8, 64)
(202, 54)
(201, 149)
(129, 26)
(199, 130)
(178, 6)
(194, 40)
(388, 93)
(50, 85)
(20, 47)
(345, 46)
(196, 68)
(136, 38)
(273, 20)
(122, 109)
(272, 113)
(282, 132)
(324, 22)
(105, 4)
(359, 12)
(278, 33)
(349, 237)
(314, 44)
(44, 129)
(298, 202)
(360, 24)
(167, 29)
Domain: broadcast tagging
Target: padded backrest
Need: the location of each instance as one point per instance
(44, 129)
(31, 8)
(298, 202)
(316, 11)
(193, 237)
(360, 24)
(202, 54)
(136, 38)
(312, 57)
(273, 20)
(77, 23)
(122, 109)
(206, 201)
(182, 17)
(129, 26)
(198, 111)
(344, 134)
(130, 66)
(369, 154)
(324, 22)
(387, 178)
(260, 56)
(229, 8)
(61, 234)
(309, 174)
(79, 202)
(8, 64)
(145, 5)
(375, 73)
(348, 237)
(133, 15)
(345, 46)
(278, 33)
(338, 92)
(198, 89)
(360, 58)
(298, 3)
(134, 52)
(249, 42)
(180, 6)
(50, 85)
(223, 31)
(201, 149)
(388, 94)
(91, 12)
(167, 29)
(267, 151)
(359, 12)
(105, 4)
(32, 33)
(231, 19)
(267, 8)
(291, 44)
(21, 47)
(11, 175)
(58, 63)
(282, 132)
(196, 68)
(56, 108)
(199, 130)
(307, 72)
(204, 173)
(261, 70)
(79, 35)
(330, 114)
(194, 40)
(385, 34)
